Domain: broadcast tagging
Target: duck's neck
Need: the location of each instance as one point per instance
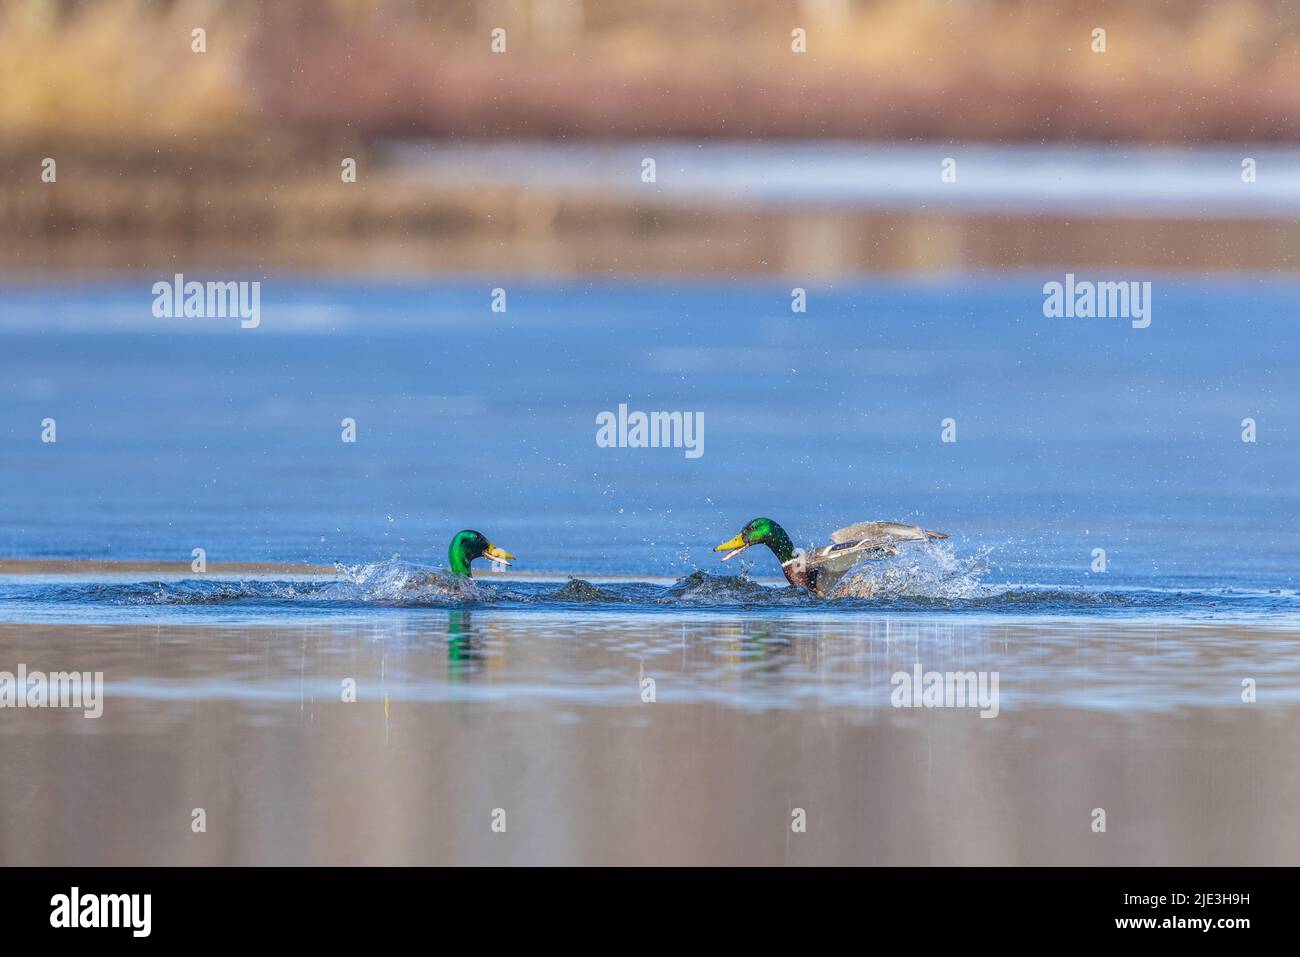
(780, 544)
(457, 559)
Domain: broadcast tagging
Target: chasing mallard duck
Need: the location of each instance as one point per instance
(468, 545)
(464, 548)
(820, 569)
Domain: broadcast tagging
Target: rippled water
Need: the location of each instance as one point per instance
(909, 587)
(539, 643)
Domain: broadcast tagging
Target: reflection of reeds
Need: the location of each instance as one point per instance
(397, 229)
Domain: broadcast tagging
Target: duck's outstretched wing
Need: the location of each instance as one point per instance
(883, 533)
(863, 542)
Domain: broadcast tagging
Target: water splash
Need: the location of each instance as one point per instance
(931, 571)
(398, 582)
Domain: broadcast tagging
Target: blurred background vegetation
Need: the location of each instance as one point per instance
(964, 69)
(236, 150)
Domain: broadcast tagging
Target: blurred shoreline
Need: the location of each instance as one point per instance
(300, 72)
(224, 151)
(582, 209)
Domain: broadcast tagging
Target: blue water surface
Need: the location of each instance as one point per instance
(1071, 434)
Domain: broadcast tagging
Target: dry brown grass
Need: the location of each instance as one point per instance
(120, 69)
(989, 69)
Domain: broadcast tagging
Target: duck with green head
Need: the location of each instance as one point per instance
(820, 569)
(468, 545)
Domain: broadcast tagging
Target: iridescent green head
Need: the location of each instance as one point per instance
(761, 531)
(469, 545)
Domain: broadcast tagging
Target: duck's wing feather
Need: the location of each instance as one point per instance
(843, 556)
(883, 532)
(866, 541)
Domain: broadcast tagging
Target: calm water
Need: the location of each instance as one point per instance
(460, 713)
(1120, 689)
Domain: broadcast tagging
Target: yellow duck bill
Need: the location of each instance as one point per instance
(495, 554)
(733, 547)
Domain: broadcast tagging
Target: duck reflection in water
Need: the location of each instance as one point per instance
(464, 647)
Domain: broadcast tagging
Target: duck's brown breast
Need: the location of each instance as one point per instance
(801, 576)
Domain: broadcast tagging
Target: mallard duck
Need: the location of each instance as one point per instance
(468, 545)
(818, 570)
